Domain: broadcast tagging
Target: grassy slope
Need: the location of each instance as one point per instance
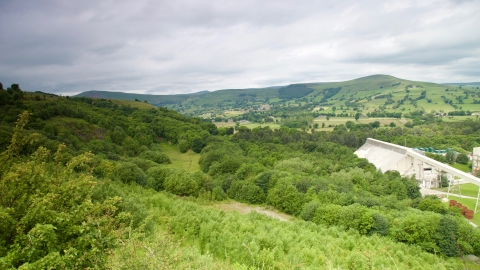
(461, 167)
(234, 241)
(187, 161)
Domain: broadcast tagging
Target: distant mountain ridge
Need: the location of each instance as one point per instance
(374, 93)
(167, 99)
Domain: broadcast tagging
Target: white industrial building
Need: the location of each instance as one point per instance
(476, 160)
(386, 156)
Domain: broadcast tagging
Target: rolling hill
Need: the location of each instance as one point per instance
(373, 95)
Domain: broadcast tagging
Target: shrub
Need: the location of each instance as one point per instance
(309, 209)
(129, 172)
(462, 158)
(156, 156)
(156, 177)
(143, 164)
(181, 183)
(183, 146)
(218, 194)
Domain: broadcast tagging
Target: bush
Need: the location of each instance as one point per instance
(197, 145)
(181, 183)
(446, 236)
(450, 157)
(143, 164)
(285, 197)
(462, 158)
(433, 204)
(156, 156)
(246, 192)
(129, 172)
(381, 225)
(156, 177)
(218, 194)
(183, 146)
(309, 209)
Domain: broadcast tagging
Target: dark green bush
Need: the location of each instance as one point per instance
(129, 172)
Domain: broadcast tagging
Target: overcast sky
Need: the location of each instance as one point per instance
(183, 46)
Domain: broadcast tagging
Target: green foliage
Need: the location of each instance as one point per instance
(462, 158)
(309, 209)
(436, 157)
(381, 225)
(450, 157)
(229, 131)
(417, 229)
(156, 156)
(143, 164)
(181, 183)
(446, 236)
(245, 191)
(47, 217)
(183, 146)
(294, 91)
(156, 177)
(218, 194)
(433, 204)
(314, 175)
(197, 145)
(128, 172)
(285, 197)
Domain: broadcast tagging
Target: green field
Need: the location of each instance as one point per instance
(187, 161)
(248, 125)
(462, 167)
(470, 204)
(469, 190)
(335, 121)
(458, 118)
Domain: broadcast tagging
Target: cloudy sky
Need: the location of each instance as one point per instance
(183, 46)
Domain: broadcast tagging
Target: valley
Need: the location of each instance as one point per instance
(99, 183)
(303, 105)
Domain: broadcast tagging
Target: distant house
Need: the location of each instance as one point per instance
(265, 107)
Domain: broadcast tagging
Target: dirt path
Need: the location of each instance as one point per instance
(245, 209)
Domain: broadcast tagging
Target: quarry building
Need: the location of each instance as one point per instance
(409, 162)
(476, 160)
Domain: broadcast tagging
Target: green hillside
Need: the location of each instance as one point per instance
(371, 96)
(95, 183)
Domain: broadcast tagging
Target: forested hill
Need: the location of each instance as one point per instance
(96, 183)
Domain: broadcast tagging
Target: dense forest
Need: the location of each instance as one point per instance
(84, 183)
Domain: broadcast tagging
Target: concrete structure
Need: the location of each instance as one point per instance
(386, 156)
(476, 160)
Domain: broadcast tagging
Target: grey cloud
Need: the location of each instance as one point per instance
(187, 46)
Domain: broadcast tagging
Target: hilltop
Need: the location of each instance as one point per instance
(372, 96)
